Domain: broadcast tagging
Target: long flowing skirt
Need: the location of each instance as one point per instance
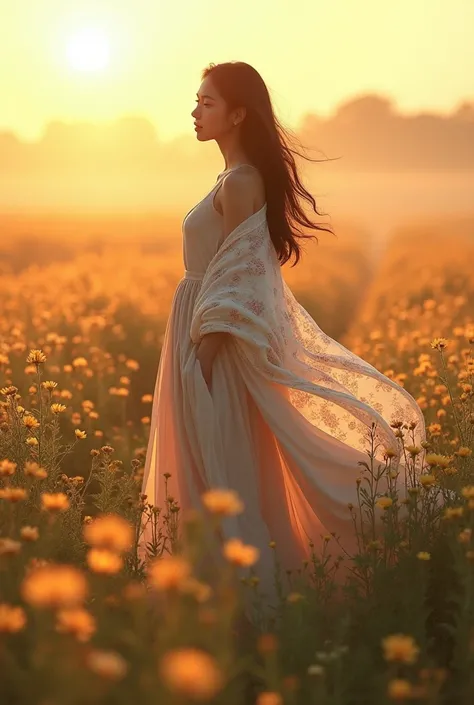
(294, 479)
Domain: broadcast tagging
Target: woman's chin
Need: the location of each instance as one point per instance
(200, 135)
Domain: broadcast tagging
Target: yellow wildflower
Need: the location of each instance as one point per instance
(13, 494)
(399, 689)
(76, 621)
(223, 502)
(240, 554)
(55, 501)
(433, 459)
(107, 664)
(12, 619)
(401, 648)
(453, 512)
(10, 391)
(413, 450)
(54, 585)
(168, 573)
(100, 560)
(32, 469)
(191, 673)
(29, 533)
(465, 536)
(8, 547)
(7, 468)
(427, 480)
(468, 492)
(36, 357)
(390, 453)
(450, 471)
(109, 531)
(30, 421)
(463, 452)
(439, 343)
(384, 502)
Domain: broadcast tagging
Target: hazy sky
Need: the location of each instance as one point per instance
(313, 55)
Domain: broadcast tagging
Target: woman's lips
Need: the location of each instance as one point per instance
(197, 127)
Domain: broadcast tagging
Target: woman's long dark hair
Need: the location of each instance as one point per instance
(266, 143)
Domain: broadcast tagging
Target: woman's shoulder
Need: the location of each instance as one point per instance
(246, 182)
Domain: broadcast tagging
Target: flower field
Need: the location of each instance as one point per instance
(84, 620)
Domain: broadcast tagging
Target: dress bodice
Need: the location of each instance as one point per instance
(203, 229)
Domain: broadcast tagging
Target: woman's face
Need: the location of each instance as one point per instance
(210, 113)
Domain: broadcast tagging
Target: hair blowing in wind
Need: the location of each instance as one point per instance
(266, 142)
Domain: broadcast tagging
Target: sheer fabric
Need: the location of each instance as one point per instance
(243, 293)
(286, 421)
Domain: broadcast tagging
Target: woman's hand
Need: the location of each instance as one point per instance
(206, 352)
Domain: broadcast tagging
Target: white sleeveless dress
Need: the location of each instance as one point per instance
(277, 463)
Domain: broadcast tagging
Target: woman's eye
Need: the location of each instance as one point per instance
(206, 105)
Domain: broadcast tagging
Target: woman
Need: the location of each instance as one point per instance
(251, 395)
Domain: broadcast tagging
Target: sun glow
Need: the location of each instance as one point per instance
(89, 50)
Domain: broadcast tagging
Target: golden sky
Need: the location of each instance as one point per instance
(313, 55)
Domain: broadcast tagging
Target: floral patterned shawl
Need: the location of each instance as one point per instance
(243, 293)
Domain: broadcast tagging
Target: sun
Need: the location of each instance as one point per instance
(89, 50)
